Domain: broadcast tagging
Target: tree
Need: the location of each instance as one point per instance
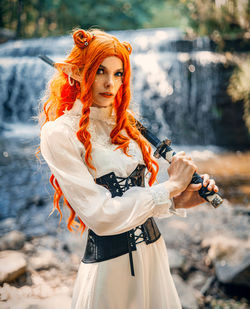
(54, 17)
(218, 18)
(239, 87)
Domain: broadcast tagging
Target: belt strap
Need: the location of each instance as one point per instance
(130, 257)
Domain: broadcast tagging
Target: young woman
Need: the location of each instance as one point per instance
(98, 160)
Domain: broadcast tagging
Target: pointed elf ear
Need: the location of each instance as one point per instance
(71, 70)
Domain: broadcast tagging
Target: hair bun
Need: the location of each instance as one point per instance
(128, 47)
(82, 38)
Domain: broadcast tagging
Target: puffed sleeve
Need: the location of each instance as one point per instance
(93, 203)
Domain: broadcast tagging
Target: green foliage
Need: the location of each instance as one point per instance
(54, 17)
(167, 15)
(239, 87)
(217, 18)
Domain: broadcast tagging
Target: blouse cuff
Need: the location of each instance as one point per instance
(181, 212)
(164, 205)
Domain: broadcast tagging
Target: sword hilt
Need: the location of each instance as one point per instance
(164, 150)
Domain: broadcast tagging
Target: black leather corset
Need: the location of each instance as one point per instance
(102, 248)
(118, 185)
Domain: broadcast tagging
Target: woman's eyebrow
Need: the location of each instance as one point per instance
(103, 67)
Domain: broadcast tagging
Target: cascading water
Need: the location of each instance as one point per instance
(174, 81)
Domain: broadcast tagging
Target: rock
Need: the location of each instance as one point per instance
(221, 246)
(209, 282)
(197, 279)
(12, 265)
(186, 293)
(231, 258)
(234, 272)
(12, 241)
(44, 259)
(28, 248)
(176, 260)
(54, 302)
(49, 242)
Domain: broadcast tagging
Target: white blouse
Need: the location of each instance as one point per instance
(64, 154)
(109, 284)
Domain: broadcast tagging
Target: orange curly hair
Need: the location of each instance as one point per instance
(90, 49)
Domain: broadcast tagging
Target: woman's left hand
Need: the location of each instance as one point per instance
(190, 197)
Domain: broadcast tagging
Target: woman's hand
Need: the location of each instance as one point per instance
(180, 173)
(190, 197)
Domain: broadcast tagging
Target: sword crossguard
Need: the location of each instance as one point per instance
(162, 148)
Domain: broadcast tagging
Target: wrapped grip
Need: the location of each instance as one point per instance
(164, 150)
(212, 197)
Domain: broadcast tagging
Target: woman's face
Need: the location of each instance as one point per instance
(107, 82)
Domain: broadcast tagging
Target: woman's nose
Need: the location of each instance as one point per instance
(109, 82)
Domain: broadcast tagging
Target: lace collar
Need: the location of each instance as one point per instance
(104, 113)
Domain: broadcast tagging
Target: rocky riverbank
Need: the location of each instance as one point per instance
(208, 251)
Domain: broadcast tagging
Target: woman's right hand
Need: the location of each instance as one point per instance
(180, 173)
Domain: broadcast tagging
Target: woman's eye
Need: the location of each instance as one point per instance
(119, 74)
(100, 71)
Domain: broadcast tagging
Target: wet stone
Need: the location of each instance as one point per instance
(43, 259)
(12, 265)
(13, 240)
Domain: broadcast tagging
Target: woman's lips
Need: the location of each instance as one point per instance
(107, 94)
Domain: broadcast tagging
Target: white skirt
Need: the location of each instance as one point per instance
(109, 284)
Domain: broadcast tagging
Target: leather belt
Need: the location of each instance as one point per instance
(102, 248)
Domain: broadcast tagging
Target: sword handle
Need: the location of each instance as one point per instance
(164, 150)
(211, 196)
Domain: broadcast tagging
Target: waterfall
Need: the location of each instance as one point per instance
(175, 81)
